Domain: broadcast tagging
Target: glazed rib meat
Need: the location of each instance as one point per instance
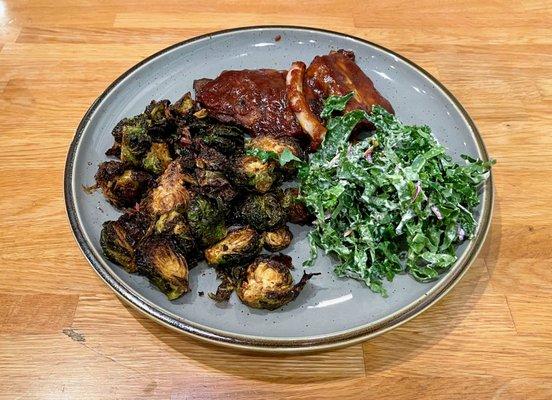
(280, 103)
(338, 74)
(254, 99)
(296, 97)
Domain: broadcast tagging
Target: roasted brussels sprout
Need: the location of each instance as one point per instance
(157, 159)
(277, 239)
(296, 210)
(252, 173)
(262, 211)
(160, 121)
(226, 139)
(184, 105)
(207, 220)
(215, 185)
(241, 245)
(120, 238)
(278, 145)
(208, 158)
(117, 132)
(122, 186)
(158, 259)
(170, 193)
(174, 225)
(267, 283)
(135, 141)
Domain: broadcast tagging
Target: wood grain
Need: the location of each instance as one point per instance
(64, 335)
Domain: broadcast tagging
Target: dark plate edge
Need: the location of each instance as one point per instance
(271, 345)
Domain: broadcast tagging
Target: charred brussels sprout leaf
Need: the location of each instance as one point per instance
(296, 210)
(122, 186)
(277, 239)
(160, 121)
(252, 173)
(207, 220)
(184, 105)
(157, 159)
(262, 211)
(267, 283)
(241, 245)
(186, 154)
(114, 151)
(224, 290)
(226, 139)
(208, 158)
(170, 193)
(215, 185)
(174, 225)
(158, 259)
(120, 238)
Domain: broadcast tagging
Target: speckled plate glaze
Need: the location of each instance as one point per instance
(330, 312)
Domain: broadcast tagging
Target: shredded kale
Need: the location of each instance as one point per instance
(391, 203)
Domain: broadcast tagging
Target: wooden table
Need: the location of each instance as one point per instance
(64, 334)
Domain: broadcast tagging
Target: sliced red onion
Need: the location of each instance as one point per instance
(368, 152)
(347, 232)
(461, 233)
(437, 212)
(417, 192)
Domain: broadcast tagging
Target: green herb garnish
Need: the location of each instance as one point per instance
(285, 157)
(394, 202)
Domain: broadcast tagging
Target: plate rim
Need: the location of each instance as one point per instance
(280, 345)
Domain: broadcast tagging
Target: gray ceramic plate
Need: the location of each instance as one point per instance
(330, 312)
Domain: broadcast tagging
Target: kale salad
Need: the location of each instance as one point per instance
(393, 202)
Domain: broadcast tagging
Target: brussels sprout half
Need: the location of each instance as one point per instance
(296, 210)
(170, 193)
(224, 138)
(174, 225)
(250, 172)
(277, 239)
(208, 158)
(267, 283)
(122, 186)
(241, 245)
(157, 159)
(136, 121)
(215, 185)
(135, 141)
(120, 238)
(262, 211)
(207, 220)
(158, 259)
